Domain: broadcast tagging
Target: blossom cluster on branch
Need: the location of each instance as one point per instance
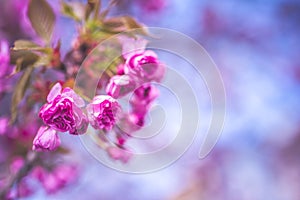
(37, 82)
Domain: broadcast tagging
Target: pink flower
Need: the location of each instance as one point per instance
(120, 69)
(16, 164)
(152, 5)
(144, 67)
(129, 123)
(102, 112)
(4, 59)
(62, 112)
(4, 125)
(46, 139)
(81, 121)
(58, 178)
(65, 173)
(142, 99)
(117, 153)
(5, 67)
(24, 189)
(145, 94)
(119, 86)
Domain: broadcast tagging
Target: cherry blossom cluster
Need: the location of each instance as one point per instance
(39, 102)
(66, 111)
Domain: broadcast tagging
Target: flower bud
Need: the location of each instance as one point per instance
(144, 67)
(119, 86)
(46, 139)
(102, 112)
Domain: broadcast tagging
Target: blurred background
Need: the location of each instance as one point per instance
(255, 45)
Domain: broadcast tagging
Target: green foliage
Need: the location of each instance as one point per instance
(42, 18)
(69, 11)
(95, 26)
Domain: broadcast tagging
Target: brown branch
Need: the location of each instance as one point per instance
(31, 159)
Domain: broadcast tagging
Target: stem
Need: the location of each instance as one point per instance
(32, 157)
(97, 9)
(109, 72)
(101, 143)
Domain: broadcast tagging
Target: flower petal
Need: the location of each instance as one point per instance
(132, 46)
(56, 90)
(78, 101)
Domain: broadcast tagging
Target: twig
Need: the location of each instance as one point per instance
(32, 157)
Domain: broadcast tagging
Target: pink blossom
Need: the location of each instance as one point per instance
(4, 59)
(46, 139)
(145, 94)
(38, 172)
(142, 99)
(5, 67)
(50, 183)
(129, 123)
(16, 164)
(81, 120)
(29, 126)
(62, 112)
(4, 125)
(120, 69)
(102, 112)
(144, 67)
(65, 173)
(152, 5)
(140, 64)
(54, 180)
(24, 189)
(119, 86)
(117, 153)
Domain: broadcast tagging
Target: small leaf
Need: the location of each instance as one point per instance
(114, 24)
(23, 44)
(27, 45)
(92, 6)
(22, 59)
(122, 24)
(69, 10)
(42, 18)
(19, 92)
(43, 60)
(131, 23)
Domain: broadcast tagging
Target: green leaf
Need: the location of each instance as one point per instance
(42, 18)
(92, 6)
(23, 44)
(122, 24)
(19, 92)
(68, 10)
(22, 59)
(27, 45)
(43, 60)
(131, 23)
(114, 24)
